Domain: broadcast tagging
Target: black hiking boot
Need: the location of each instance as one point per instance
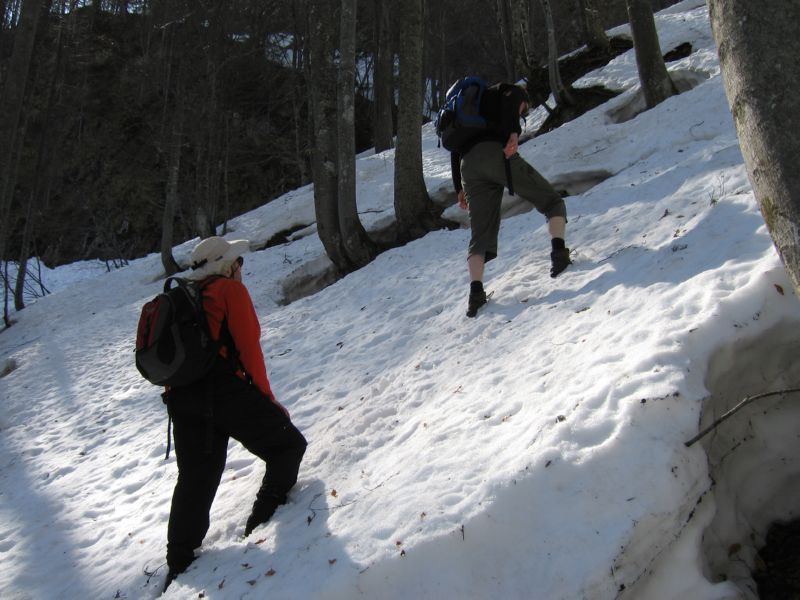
(171, 575)
(263, 509)
(476, 300)
(178, 560)
(560, 260)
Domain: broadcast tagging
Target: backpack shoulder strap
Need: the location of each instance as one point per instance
(225, 337)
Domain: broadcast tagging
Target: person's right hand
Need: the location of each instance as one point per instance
(511, 145)
(462, 200)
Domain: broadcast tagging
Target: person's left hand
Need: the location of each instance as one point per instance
(462, 200)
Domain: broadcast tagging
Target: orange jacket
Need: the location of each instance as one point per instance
(228, 299)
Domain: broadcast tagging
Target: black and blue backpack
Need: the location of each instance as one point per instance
(460, 118)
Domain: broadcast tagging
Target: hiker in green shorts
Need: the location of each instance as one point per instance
(486, 164)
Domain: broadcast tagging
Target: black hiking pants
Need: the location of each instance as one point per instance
(204, 416)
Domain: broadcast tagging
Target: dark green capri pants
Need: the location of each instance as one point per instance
(483, 175)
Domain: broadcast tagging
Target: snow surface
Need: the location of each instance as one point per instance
(536, 451)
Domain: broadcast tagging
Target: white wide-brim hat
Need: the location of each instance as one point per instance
(214, 255)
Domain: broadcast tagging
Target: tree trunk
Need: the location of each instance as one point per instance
(171, 133)
(22, 265)
(560, 91)
(520, 27)
(41, 173)
(415, 213)
(6, 288)
(384, 78)
(656, 84)
(322, 100)
(758, 49)
(171, 198)
(301, 129)
(13, 95)
(359, 247)
(593, 31)
(505, 24)
(444, 78)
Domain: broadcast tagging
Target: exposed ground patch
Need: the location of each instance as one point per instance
(753, 463)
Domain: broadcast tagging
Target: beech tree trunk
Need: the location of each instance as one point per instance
(520, 32)
(171, 198)
(656, 83)
(301, 129)
(322, 19)
(384, 78)
(560, 91)
(11, 101)
(359, 247)
(504, 22)
(42, 174)
(758, 49)
(594, 32)
(415, 213)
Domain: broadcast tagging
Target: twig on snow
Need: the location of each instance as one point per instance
(735, 409)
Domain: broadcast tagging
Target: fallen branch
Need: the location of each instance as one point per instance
(735, 409)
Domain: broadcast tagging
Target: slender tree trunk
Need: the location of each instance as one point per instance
(415, 213)
(3, 20)
(13, 96)
(444, 78)
(301, 131)
(520, 26)
(359, 247)
(41, 174)
(560, 91)
(758, 49)
(171, 196)
(656, 83)
(504, 21)
(171, 133)
(322, 97)
(593, 31)
(225, 168)
(384, 77)
(22, 264)
(6, 288)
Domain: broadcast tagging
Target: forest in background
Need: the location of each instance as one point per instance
(130, 103)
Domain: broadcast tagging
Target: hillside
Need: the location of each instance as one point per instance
(534, 452)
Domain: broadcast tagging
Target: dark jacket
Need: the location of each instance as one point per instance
(500, 107)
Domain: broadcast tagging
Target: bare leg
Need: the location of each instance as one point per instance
(560, 255)
(475, 265)
(557, 227)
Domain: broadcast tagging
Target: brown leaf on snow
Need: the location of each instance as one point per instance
(270, 573)
(331, 561)
(779, 288)
(334, 493)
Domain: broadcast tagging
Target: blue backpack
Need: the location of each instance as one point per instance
(460, 119)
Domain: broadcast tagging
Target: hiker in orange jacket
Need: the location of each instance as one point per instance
(234, 400)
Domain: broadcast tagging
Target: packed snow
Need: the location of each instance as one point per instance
(536, 451)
